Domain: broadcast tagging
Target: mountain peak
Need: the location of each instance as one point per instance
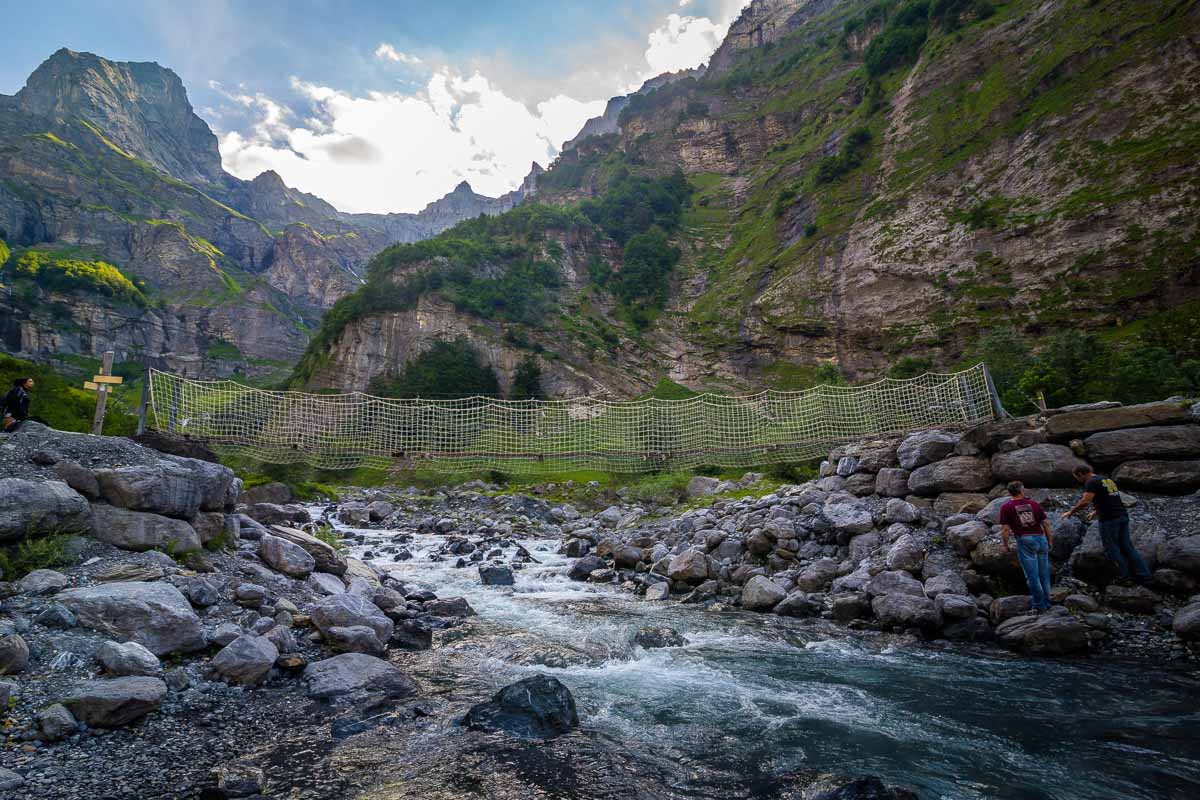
(141, 107)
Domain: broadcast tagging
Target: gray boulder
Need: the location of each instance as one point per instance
(956, 606)
(702, 486)
(1054, 633)
(798, 604)
(1166, 442)
(323, 583)
(892, 482)
(894, 582)
(283, 556)
(954, 474)
(817, 575)
(905, 554)
(162, 488)
(355, 674)
(43, 581)
(761, 594)
(112, 702)
(354, 639)
(1077, 424)
(846, 607)
(906, 611)
(56, 723)
(945, 583)
(990, 557)
(1187, 623)
(276, 493)
(1181, 553)
(966, 537)
(1090, 563)
(898, 510)
(653, 638)
(848, 518)
(120, 659)
(690, 566)
(246, 660)
(658, 591)
(79, 478)
(538, 707)
(272, 514)
(1042, 465)
(1164, 477)
(348, 610)
(326, 556)
(37, 508)
(496, 575)
(140, 531)
(450, 607)
(925, 447)
(14, 654)
(155, 615)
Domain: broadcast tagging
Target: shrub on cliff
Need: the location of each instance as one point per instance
(447, 369)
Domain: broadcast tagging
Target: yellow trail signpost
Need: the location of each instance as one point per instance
(102, 384)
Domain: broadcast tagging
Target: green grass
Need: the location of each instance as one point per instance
(46, 552)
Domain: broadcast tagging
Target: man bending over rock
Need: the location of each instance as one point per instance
(1024, 517)
(1102, 493)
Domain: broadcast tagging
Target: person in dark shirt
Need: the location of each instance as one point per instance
(1024, 517)
(16, 404)
(1102, 494)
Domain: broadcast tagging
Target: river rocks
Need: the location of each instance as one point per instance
(450, 607)
(411, 634)
(538, 707)
(627, 557)
(155, 615)
(496, 575)
(354, 639)
(1181, 553)
(325, 556)
(56, 723)
(120, 659)
(112, 702)
(14, 654)
(898, 510)
(966, 537)
(276, 493)
(945, 583)
(1042, 465)
(325, 584)
(761, 594)
(990, 557)
(956, 606)
(817, 575)
(954, 474)
(846, 607)
(892, 482)
(925, 447)
(379, 510)
(283, 556)
(759, 543)
(609, 517)
(1187, 623)
(140, 531)
(348, 610)
(894, 582)
(798, 604)
(690, 566)
(905, 554)
(1166, 477)
(1053, 633)
(584, 567)
(37, 508)
(42, 582)
(702, 486)
(1090, 563)
(901, 610)
(354, 674)
(1078, 424)
(1168, 442)
(158, 488)
(1004, 608)
(652, 638)
(848, 518)
(246, 660)
(272, 514)
(1133, 599)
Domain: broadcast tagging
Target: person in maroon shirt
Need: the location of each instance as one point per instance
(1024, 517)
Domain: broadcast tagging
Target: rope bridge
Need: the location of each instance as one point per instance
(345, 431)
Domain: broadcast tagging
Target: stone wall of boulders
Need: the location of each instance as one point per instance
(902, 534)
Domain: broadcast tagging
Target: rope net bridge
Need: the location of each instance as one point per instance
(345, 431)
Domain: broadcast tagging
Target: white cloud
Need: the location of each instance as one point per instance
(683, 42)
(386, 52)
(387, 151)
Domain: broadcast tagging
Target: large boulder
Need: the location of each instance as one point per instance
(1042, 465)
(817, 575)
(990, 557)
(1166, 442)
(584, 567)
(1054, 633)
(112, 702)
(761, 594)
(121, 659)
(906, 611)
(163, 488)
(326, 556)
(954, 474)
(217, 485)
(848, 518)
(37, 508)
(496, 575)
(966, 537)
(926, 447)
(355, 674)
(1077, 424)
(894, 582)
(905, 554)
(348, 610)
(246, 660)
(155, 615)
(43, 582)
(892, 482)
(1181, 553)
(538, 707)
(140, 531)
(14, 653)
(276, 493)
(945, 583)
(1090, 563)
(272, 514)
(690, 566)
(283, 556)
(1187, 623)
(1164, 477)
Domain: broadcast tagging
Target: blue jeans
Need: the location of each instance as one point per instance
(1034, 555)
(1114, 533)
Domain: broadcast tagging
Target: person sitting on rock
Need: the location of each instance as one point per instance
(16, 405)
(1024, 516)
(1102, 493)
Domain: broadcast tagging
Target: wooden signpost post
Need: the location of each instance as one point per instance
(102, 384)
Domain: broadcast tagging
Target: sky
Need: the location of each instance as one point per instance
(384, 106)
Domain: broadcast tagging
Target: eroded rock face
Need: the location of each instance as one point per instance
(155, 615)
(36, 508)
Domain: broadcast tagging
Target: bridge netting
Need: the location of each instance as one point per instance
(344, 431)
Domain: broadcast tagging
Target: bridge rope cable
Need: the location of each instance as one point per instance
(345, 431)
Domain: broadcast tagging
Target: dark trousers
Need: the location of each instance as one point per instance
(1114, 533)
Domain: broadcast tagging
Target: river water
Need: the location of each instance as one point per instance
(751, 697)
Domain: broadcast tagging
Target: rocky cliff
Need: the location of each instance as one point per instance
(106, 163)
(875, 181)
